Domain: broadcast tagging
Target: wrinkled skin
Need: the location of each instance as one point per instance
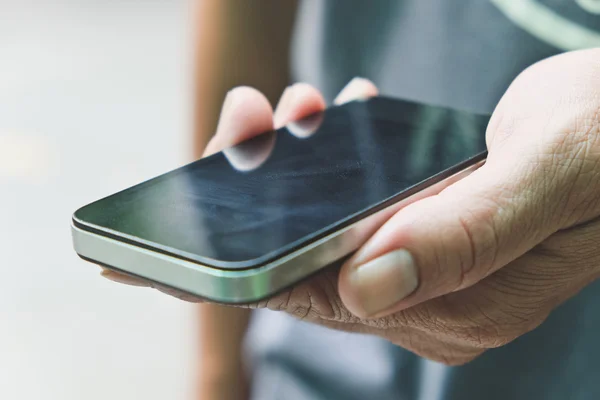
(496, 252)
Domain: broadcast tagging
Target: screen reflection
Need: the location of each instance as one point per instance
(268, 196)
(252, 153)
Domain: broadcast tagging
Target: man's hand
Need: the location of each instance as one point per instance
(488, 258)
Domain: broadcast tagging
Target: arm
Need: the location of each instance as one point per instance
(222, 331)
(238, 43)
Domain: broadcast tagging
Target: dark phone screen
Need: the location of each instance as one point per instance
(264, 198)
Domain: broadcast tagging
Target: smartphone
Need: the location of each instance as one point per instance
(241, 225)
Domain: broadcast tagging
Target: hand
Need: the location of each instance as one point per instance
(489, 257)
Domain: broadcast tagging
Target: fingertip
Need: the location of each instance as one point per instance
(357, 89)
(123, 279)
(246, 113)
(372, 289)
(189, 298)
(298, 101)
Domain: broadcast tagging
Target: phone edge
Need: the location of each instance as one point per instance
(249, 285)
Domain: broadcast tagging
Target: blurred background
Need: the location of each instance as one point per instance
(94, 97)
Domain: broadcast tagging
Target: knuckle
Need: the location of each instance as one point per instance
(468, 260)
(479, 233)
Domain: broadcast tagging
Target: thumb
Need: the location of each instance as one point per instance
(446, 242)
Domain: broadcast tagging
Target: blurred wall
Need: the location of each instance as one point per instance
(94, 97)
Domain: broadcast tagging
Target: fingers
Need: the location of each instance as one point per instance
(247, 113)
(132, 281)
(444, 243)
(302, 100)
(122, 278)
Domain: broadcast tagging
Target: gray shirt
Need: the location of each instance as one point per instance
(461, 54)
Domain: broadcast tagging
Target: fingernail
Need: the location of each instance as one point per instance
(383, 282)
(284, 105)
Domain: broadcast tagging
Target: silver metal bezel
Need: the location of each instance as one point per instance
(242, 286)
